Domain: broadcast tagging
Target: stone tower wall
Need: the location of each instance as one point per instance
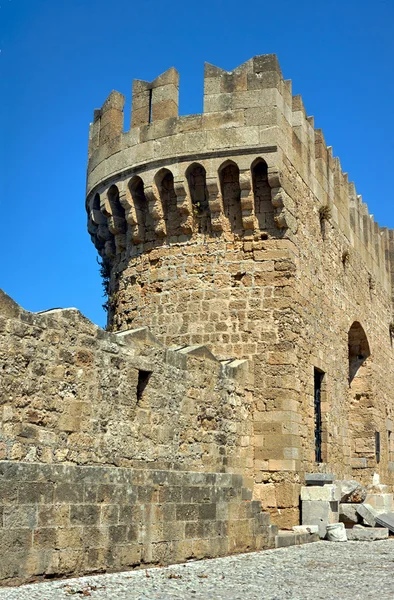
(270, 254)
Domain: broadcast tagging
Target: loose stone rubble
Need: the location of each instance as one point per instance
(323, 504)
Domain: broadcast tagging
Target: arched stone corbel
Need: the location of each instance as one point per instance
(283, 217)
(155, 209)
(247, 201)
(274, 177)
(281, 201)
(116, 222)
(127, 203)
(126, 200)
(184, 206)
(215, 203)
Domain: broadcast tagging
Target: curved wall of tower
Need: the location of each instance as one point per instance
(238, 229)
(188, 210)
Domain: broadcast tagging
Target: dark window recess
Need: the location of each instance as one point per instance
(143, 378)
(318, 376)
(377, 446)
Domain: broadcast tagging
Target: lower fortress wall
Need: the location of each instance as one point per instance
(60, 520)
(113, 450)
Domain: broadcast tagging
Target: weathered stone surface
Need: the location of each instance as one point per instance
(367, 513)
(367, 534)
(319, 513)
(348, 513)
(352, 491)
(336, 532)
(325, 493)
(306, 528)
(245, 265)
(126, 513)
(382, 503)
(386, 520)
(319, 478)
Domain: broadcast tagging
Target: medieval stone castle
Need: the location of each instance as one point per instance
(249, 339)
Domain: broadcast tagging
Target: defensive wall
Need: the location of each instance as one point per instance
(237, 229)
(250, 339)
(116, 451)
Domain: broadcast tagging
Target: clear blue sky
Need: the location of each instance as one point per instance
(59, 60)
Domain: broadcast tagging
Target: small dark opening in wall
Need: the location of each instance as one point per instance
(143, 378)
(150, 106)
(377, 446)
(318, 380)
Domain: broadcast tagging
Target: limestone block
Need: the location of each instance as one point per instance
(320, 493)
(348, 513)
(306, 528)
(318, 478)
(320, 514)
(285, 539)
(367, 513)
(367, 534)
(336, 532)
(352, 491)
(382, 503)
(386, 520)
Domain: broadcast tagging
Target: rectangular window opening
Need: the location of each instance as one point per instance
(377, 446)
(318, 379)
(143, 378)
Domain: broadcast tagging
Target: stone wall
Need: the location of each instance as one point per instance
(71, 392)
(59, 520)
(269, 255)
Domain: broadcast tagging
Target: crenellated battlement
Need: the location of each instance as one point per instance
(251, 167)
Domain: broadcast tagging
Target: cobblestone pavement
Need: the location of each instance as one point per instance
(344, 571)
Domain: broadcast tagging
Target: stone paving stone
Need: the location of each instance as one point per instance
(320, 571)
(367, 534)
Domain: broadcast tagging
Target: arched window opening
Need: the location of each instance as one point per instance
(363, 418)
(231, 193)
(196, 178)
(165, 184)
(144, 219)
(358, 349)
(263, 207)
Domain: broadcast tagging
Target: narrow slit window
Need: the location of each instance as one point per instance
(318, 379)
(143, 379)
(377, 446)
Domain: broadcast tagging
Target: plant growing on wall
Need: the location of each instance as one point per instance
(105, 272)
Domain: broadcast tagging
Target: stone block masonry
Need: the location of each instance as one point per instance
(238, 229)
(250, 333)
(59, 520)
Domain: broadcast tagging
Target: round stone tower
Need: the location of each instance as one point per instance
(188, 212)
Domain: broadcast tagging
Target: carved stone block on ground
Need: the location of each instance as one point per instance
(348, 513)
(367, 534)
(352, 491)
(320, 514)
(367, 513)
(386, 520)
